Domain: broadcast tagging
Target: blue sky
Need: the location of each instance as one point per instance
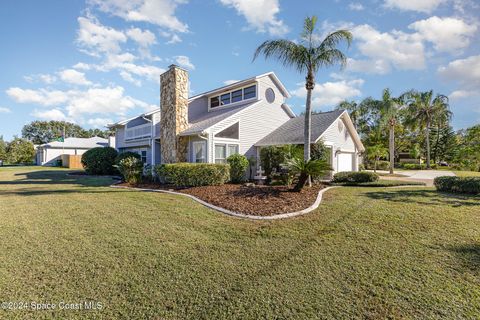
(98, 61)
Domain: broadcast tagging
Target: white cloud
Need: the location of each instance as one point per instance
(144, 38)
(446, 34)
(45, 78)
(329, 94)
(53, 114)
(388, 49)
(74, 77)
(466, 74)
(129, 78)
(158, 12)
(229, 82)
(96, 38)
(5, 110)
(356, 6)
(82, 66)
(261, 15)
(184, 61)
(425, 6)
(106, 100)
(99, 122)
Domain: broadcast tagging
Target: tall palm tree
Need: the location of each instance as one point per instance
(423, 109)
(390, 108)
(308, 56)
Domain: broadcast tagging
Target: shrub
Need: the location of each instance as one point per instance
(383, 165)
(354, 176)
(238, 166)
(418, 166)
(193, 174)
(131, 169)
(314, 168)
(99, 160)
(126, 154)
(458, 184)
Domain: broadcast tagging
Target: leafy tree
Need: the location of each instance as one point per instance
(99, 133)
(469, 153)
(307, 56)
(3, 149)
(423, 109)
(375, 153)
(355, 110)
(20, 151)
(415, 151)
(40, 132)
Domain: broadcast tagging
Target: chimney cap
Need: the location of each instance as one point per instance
(174, 66)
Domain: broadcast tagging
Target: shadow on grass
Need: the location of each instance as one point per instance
(468, 255)
(425, 197)
(43, 182)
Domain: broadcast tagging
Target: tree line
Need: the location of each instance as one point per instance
(416, 123)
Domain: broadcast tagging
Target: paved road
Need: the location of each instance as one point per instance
(426, 176)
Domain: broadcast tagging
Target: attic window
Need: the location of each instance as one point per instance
(234, 96)
(229, 133)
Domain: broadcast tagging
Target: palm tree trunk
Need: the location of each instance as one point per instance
(427, 132)
(391, 145)
(375, 165)
(309, 85)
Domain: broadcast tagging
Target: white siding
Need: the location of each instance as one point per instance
(49, 156)
(255, 122)
(341, 141)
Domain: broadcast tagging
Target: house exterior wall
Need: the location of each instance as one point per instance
(340, 141)
(49, 156)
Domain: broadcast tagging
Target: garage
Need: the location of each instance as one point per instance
(345, 162)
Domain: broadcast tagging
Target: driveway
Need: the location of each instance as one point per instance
(426, 176)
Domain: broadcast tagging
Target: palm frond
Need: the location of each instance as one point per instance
(286, 52)
(332, 40)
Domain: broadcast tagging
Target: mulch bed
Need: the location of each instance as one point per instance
(255, 200)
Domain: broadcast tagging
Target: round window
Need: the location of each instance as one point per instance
(270, 95)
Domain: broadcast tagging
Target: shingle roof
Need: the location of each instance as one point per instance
(81, 143)
(211, 118)
(291, 132)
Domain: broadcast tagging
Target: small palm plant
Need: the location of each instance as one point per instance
(305, 169)
(376, 152)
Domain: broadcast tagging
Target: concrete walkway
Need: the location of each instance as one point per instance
(426, 176)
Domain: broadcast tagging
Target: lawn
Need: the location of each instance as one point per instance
(467, 173)
(366, 253)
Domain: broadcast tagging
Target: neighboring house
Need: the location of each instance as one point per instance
(238, 118)
(47, 154)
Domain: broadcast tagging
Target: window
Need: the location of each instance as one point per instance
(223, 151)
(234, 96)
(237, 96)
(220, 153)
(249, 92)
(143, 155)
(199, 152)
(214, 102)
(230, 132)
(225, 98)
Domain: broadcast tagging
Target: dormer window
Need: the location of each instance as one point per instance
(234, 96)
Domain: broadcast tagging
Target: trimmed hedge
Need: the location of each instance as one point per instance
(99, 160)
(469, 185)
(355, 176)
(417, 166)
(193, 174)
(126, 154)
(238, 166)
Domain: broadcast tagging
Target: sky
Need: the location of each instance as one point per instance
(96, 62)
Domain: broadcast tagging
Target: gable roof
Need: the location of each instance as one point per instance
(270, 74)
(291, 132)
(80, 143)
(211, 118)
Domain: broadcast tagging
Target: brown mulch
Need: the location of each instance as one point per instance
(255, 200)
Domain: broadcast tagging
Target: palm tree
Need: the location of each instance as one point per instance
(355, 111)
(307, 56)
(423, 109)
(389, 112)
(376, 152)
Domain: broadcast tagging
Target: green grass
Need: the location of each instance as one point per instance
(467, 173)
(382, 183)
(366, 253)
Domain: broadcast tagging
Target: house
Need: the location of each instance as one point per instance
(240, 118)
(47, 154)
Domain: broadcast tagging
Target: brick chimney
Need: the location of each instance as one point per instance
(174, 114)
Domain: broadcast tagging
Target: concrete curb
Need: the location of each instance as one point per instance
(237, 214)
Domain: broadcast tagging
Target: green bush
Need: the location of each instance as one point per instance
(383, 165)
(417, 166)
(238, 166)
(126, 154)
(355, 176)
(458, 184)
(99, 160)
(131, 169)
(193, 174)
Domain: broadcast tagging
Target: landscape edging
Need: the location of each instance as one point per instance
(237, 214)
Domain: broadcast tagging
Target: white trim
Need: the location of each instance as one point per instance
(227, 145)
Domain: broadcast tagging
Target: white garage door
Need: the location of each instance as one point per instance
(345, 162)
